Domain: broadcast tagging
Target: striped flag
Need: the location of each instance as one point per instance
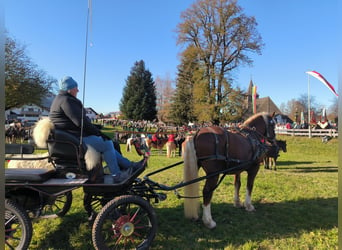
(323, 80)
(254, 96)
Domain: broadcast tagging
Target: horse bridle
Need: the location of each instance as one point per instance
(269, 125)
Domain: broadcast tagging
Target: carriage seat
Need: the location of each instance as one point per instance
(28, 174)
(64, 149)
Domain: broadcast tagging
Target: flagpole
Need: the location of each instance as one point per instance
(309, 118)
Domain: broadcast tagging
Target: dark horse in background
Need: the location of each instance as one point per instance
(234, 151)
(270, 160)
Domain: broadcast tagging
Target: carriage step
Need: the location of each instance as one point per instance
(65, 182)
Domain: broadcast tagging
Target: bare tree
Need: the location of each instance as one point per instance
(333, 110)
(165, 92)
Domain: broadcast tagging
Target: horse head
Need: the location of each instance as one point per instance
(282, 145)
(140, 146)
(264, 124)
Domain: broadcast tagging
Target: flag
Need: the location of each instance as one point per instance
(323, 80)
(302, 119)
(254, 95)
(324, 115)
(312, 117)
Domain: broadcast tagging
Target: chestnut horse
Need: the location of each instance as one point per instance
(157, 145)
(229, 152)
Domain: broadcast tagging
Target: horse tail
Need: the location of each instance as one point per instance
(191, 205)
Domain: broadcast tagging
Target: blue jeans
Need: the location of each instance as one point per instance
(113, 158)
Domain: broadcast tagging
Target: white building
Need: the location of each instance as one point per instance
(29, 112)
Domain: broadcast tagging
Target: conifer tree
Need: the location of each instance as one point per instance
(182, 109)
(138, 101)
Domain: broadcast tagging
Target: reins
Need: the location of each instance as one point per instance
(224, 172)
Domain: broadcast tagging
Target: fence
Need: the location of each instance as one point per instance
(305, 132)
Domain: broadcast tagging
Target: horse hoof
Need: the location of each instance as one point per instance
(238, 205)
(210, 225)
(194, 219)
(250, 208)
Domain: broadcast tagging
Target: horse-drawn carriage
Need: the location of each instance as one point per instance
(122, 214)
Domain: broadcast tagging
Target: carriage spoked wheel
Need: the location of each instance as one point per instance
(59, 205)
(126, 222)
(94, 203)
(18, 226)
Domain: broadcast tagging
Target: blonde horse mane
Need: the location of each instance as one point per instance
(191, 206)
(41, 132)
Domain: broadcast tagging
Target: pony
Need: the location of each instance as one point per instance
(171, 149)
(129, 144)
(158, 145)
(218, 150)
(15, 132)
(270, 159)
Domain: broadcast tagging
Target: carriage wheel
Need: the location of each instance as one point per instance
(18, 226)
(59, 206)
(93, 204)
(126, 222)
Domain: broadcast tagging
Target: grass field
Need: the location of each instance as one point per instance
(296, 207)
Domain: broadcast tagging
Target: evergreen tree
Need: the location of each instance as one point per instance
(182, 109)
(138, 101)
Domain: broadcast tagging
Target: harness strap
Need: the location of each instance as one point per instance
(217, 155)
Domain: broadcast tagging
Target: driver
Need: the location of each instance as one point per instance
(66, 114)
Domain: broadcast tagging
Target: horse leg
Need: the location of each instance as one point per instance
(250, 182)
(168, 150)
(265, 162)
(272, 163)
(207, 196)
(237, 185)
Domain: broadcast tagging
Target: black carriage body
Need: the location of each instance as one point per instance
(33, 190)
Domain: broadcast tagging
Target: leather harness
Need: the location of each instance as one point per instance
(256, 140)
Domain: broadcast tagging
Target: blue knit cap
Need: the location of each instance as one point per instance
(67, 83)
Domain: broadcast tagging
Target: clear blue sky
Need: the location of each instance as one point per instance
(299, 35)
